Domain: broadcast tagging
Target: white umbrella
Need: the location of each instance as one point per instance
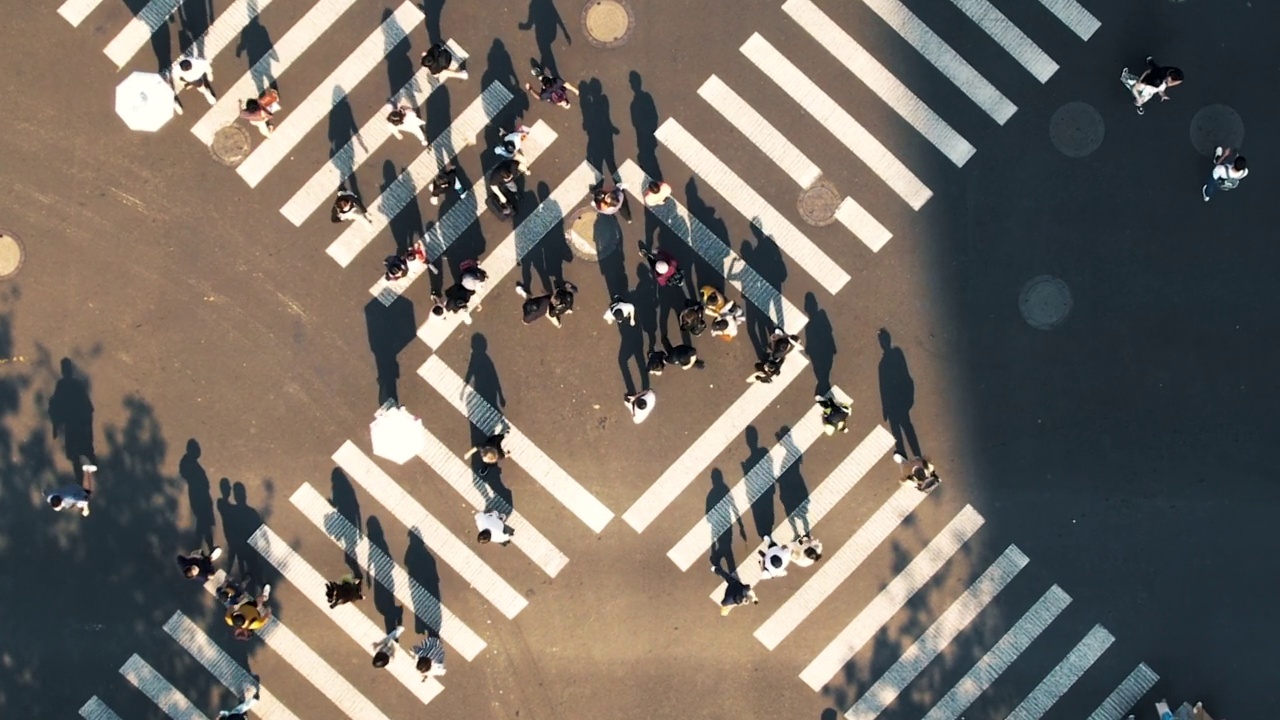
(144, 101)
(397, 435)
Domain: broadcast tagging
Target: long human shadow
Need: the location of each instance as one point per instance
(71, 413)
(762, 512)
(546, 253)
(342, 496)
(256, 44)
(897, 395)
(343, 131)
(644, 118)
(766, 259)
(239, 521)
(722, 542)
(705, 214)
(482, 375)
(383, 579)
(645, 298)
(400, 67)
(499, 69)
(819, 343)
(199, 493)
(545, 21)
(598, 127)
(432, 10)
(390, 329)
(406, 225)
(421, 566)
(792, 489)
(194, 17)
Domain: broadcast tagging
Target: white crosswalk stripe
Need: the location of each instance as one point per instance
(227, 27)
(135, 34)
(74, 12)
(1075, 16)
(1004, 32)
(1127, 694)
(95, 709)
(154, 685)
(1061, 678)
(387, 573)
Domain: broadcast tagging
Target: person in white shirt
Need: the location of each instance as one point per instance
(430, 654)
(656, 193)
(620, 310)
(774, 560)
(512, 146)
(806, 551)
(240, 711)
(640, 405)
(385, 649)
(347, 207)
(70, 497)
(493, 528)
(1225, 176)
(192, 72)
(405, 117)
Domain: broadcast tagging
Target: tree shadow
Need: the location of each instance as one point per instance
(194, 17)
(343, 129)
(598, 126)
(400, 67)
(644, 118)
(722, 542)
(342, 496)
(482, 376)
(390, 329)
(421, 566)
(543, 252)
(819, 343)
(762, 511)
(406, 225)
(256, 44)
(545, 21)
(765, 258)
(239, 521)
(199, 493)
(383, 579)
(792, 490)
(71, 412)
(897, 395)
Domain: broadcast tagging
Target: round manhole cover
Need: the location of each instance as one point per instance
(11, 255)
(592, 236)
(607, 23)
(230, 145)
(818, 203)
(1077, 129)
(1045, 302)
(1214, 126)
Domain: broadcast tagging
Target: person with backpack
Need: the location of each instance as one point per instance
(1225, 175)
(441, 63)
(562, 298)
(551, 89)
(405, 117)
(490, 451)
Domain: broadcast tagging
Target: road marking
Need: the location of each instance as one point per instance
(1062, 677)
(228, 26)
(404, 189)
(1127, 694)
(548, 215)
(943, 57)
(520, 448)
(440, 235)
(863, 226)
(1073, 15)
(841, 124)
(726, 428)
(939, 635)
(1001, 655)
(74, 12)
(434, 534)
(747, 201)
(891, 599)
(166, 697)
(352, 621)
(387, 573)
(476, 491)
(95, 709)
(761, 477)
(759, 131)
(219, 664)
(1004, 32)
(272, 64)
(717, 252)
(822, 500)
(299, 120)
(130, 40)
(366, 142)
(879, 80)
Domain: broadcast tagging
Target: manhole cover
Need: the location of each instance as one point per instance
(1045, 302)
(1216, 125)
(1076, 129)
(11, 255)
(230, 145)
(592, 236)
(818, 203)
(607, 23)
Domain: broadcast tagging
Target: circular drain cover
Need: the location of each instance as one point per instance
(1077, 129)
(11, 255)
(230, 145)
(818, 203)
(607, 23)
(1214, 126)
(1045, 302)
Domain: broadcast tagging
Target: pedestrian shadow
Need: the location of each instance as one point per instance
(482, 377)
(390, 329)
(765, 258)
(256, 45)
(199, 493)
(194, 17)
(725, 517)
(421, 566)
(383, 579)
(545, 21)
(792, 490)
(406, 225)
(432, 10)
(497, 495)
(71, 413)
(645, 298)
(343, 130)
(819, 343)
(897, 395)
(499, 69)
(764, 487)
(644, 118)
(543, 249)
(707, 215)
(239, 521)
(829, 714)
(342, 496)
(631, 347)
(598, 127)
(400, 68)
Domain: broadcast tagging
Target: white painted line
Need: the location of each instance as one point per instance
(412, 179)
(1073, 15)
(727, 428)
(440, 235)
(863, 226)
(1062, 677)
(520, 448)
(221, 665)
(822, 500)
(434, 534)
(354, 623)
(837, 568)
(387, 573)
(759, 131)
(891, 599)
(718, 254)
(1127, 694)
(299, 120)
(762, 476)
(74, 12)
(1001, 655)
(928, 646)
(166, 697)
(273, 64)
(476, 491)
(943, 57)
(507, 255)
(95, 709)
(1004, 32)
(879, 80)
(227, 27)
(151, 18)
(752, 206)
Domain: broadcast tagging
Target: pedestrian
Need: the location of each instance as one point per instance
(385, 649)
(405, 117)
(240, 712)
(656, 193)
(232, 593)
(1155, 80)
(442, 64)
(735, 592)
(198, 565)
(726, 323)
(712, 299)
(806, 551)
(664, 266)
(249, 616)
(471, 276)
(683, 355)
(551, 88)
(503, 177)
(1225, 176)
(430, 657)
(781, 344)
(766, 371)
(693, 317)
(493, 528)
(192, 72)
(438, 307)
(490, 451)
(611, 202)
(347, 207)
(534, 307)
(774, 559)
(835, 414)
(502, 205)
(919, 472)
(346, 590)
(257, 115)
(396, 268)
(444, 180)
(70, 497)
(640, 405)
(656, 363)
(620, 310)
(562, 297)
(512, 147)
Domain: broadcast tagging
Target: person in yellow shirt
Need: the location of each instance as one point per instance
(249, 616)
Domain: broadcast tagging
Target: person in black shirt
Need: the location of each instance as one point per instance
(683, 355)
(656, 363)
(693, 318)
(199, 565)
(1155, 80)
(441, 63)
(445, 180)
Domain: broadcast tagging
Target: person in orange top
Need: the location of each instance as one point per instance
(250, 616)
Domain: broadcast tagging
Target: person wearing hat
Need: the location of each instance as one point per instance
(774, 559)
(490, 451)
